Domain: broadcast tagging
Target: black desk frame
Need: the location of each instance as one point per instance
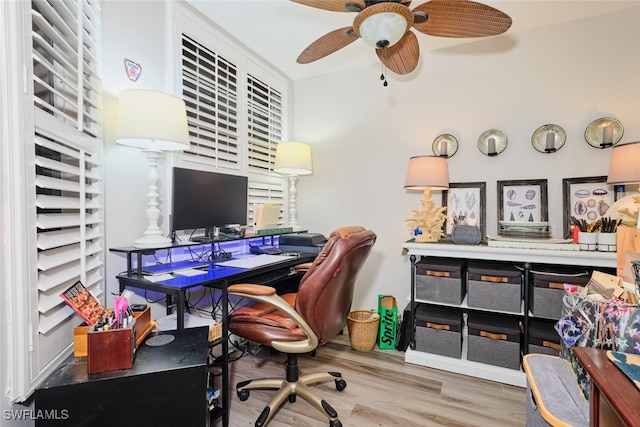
(134, 278)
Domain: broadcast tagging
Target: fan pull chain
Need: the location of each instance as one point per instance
(382, 77)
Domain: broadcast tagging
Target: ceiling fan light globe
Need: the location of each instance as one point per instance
(385, 27)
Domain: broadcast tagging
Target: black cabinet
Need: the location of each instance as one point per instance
(165, 387)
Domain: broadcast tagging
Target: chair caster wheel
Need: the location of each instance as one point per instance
(335, 423)
(341, 384)
(243, 395)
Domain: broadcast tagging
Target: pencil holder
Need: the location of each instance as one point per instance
(587, 241)
(606, 242)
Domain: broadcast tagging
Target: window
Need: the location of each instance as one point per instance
(234, 126)
(60, 236)
(210, 91)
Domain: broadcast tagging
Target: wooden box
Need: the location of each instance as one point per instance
(143, 328)
(110, 350)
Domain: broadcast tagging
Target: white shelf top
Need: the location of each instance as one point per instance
(541, 256)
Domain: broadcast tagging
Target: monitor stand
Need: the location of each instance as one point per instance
(209, 236)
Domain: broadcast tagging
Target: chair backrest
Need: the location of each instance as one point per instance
(326, 290)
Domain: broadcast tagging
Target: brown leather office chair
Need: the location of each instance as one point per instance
(299, 323)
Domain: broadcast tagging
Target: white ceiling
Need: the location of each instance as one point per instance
(278, 30)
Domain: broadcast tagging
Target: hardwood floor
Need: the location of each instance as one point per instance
(382, 390)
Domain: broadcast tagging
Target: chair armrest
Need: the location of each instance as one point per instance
(251, 289)
(267, 295)
(302, 267)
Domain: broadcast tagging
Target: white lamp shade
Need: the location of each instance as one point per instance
(427, 172)
(154, 120)
(624, 167)
(293, 158)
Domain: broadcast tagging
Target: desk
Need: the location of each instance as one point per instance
(216, 277)
(165, 387)
(613, 400)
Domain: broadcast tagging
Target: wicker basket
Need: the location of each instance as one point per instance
(466, 234)
(363, 329)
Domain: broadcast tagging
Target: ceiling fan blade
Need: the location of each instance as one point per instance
(461, 18)
(327, 44)
(334, 5)
(402, 57)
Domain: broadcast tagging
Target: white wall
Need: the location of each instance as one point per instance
(362, 134)
(136, 30)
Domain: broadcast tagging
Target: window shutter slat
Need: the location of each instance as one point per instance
(210, 93)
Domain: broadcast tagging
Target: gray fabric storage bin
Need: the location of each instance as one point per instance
(543, 337)
(439, 330)
(494, 339)
(545, 296)
(494, 286)
(440, 280)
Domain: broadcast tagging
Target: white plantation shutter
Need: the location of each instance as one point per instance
(265, 117)
(57, 154)
(69, 207)
(263, 192)
(210, 91)
(264, 125)
(68, 201)
(233, 126)
(65, 52)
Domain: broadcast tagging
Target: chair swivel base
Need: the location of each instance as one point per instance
(289, 390)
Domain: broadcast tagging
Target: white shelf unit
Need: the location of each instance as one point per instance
(463, 366)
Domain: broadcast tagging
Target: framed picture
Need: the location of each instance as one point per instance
(468, 200)
(524, 200)
(585, 198)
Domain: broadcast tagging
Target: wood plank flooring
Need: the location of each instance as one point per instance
(382, 390)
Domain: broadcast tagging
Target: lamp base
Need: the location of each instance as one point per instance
(152, 242)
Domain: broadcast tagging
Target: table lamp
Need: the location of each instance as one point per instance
(293, 159)
(427, 173)
(624, 168)
(153, 122)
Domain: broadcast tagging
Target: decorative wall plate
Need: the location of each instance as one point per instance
(601, 129)
(445, 145)
(548, 138)
(492, 142)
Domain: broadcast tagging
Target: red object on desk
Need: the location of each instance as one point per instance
(614, 399)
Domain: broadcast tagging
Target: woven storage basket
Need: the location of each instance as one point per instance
(466, 234)
(363, 329)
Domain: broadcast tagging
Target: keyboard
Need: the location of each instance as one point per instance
(265, 249)
(170, 267)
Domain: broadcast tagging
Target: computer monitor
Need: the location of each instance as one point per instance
(266, 215)
(202, 199)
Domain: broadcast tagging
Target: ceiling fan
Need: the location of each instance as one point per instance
(386, 26)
